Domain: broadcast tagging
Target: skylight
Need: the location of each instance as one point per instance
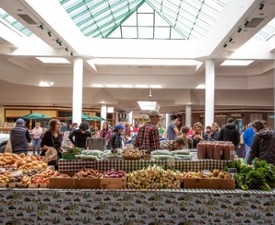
(14, 23)
(144, 19)
(53, 60)
(266, 32)
(237, 62)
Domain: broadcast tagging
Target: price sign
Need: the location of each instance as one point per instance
(232, 171)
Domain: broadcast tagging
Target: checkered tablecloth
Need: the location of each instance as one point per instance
(198, 165)
(74, 165)
(127, 165)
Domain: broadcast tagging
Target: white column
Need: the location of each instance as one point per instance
(167, 120)
(103, 114)
(130, 117)
(188, 113)
(209, 92)
(77, 89)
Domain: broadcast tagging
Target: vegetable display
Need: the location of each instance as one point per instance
(154, 177)
(260, 175)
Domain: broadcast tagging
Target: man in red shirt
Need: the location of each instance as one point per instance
(148, 135)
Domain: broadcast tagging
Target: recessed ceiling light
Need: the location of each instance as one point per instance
(97, 85)
(53, 60)
(237, 62)
(45, 84)
(155, 86)
(147, 105)
(141, 86)
(126, 85)
(112, 85)
(201, 86)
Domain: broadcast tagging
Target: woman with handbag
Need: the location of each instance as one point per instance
(52, 140)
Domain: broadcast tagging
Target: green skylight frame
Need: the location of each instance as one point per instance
(14, 23)
(98, 19)
(184, 19)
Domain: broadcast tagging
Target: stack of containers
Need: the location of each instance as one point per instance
(219, 150)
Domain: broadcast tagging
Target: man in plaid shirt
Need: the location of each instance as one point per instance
(148, 135)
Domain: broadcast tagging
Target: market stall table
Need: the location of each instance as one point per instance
(74, 165)
(164, 207)
(70, 166)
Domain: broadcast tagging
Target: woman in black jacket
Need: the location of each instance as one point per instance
(52, 138)
(263, 145)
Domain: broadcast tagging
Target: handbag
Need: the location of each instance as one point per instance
(51, 154)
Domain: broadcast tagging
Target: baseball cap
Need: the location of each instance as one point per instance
(119, 126)
(20, 121)
(154, 113)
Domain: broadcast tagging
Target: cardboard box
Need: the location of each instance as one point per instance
(195, 183)
(222, 184)
(113, 183)
(87, 183)
(61, 182)
(205, 183)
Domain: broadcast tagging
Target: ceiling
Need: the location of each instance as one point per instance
(121, 69)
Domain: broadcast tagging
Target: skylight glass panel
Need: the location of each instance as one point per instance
(145, 8)
(116, 34)
(183, 15)
(145, 32)
(131, 21)
(162, 33)
(159, 21)
(14, 23)
(266, 32)
(129, 32)
(145, 19)
(175, 34)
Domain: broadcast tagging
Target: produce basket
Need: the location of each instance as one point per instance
(132, 154)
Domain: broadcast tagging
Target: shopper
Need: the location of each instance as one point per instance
(248, 136)
(105, 132)
(208, 133)
(79, 136)
(198, 135)
(230, 133)
(184, 135)
(215, 134)
(172, 145)
(115, 141)
(37, 132)
(148, 135)
(52, 139)
(263, 145)
(20, 138)
(172, 129)
(73, 127)
(127, 132)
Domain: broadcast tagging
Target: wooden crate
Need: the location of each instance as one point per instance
(222, 184)
(205, 183)
(87, 183)
(195, 183)
(113, 183)
(55, 182)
